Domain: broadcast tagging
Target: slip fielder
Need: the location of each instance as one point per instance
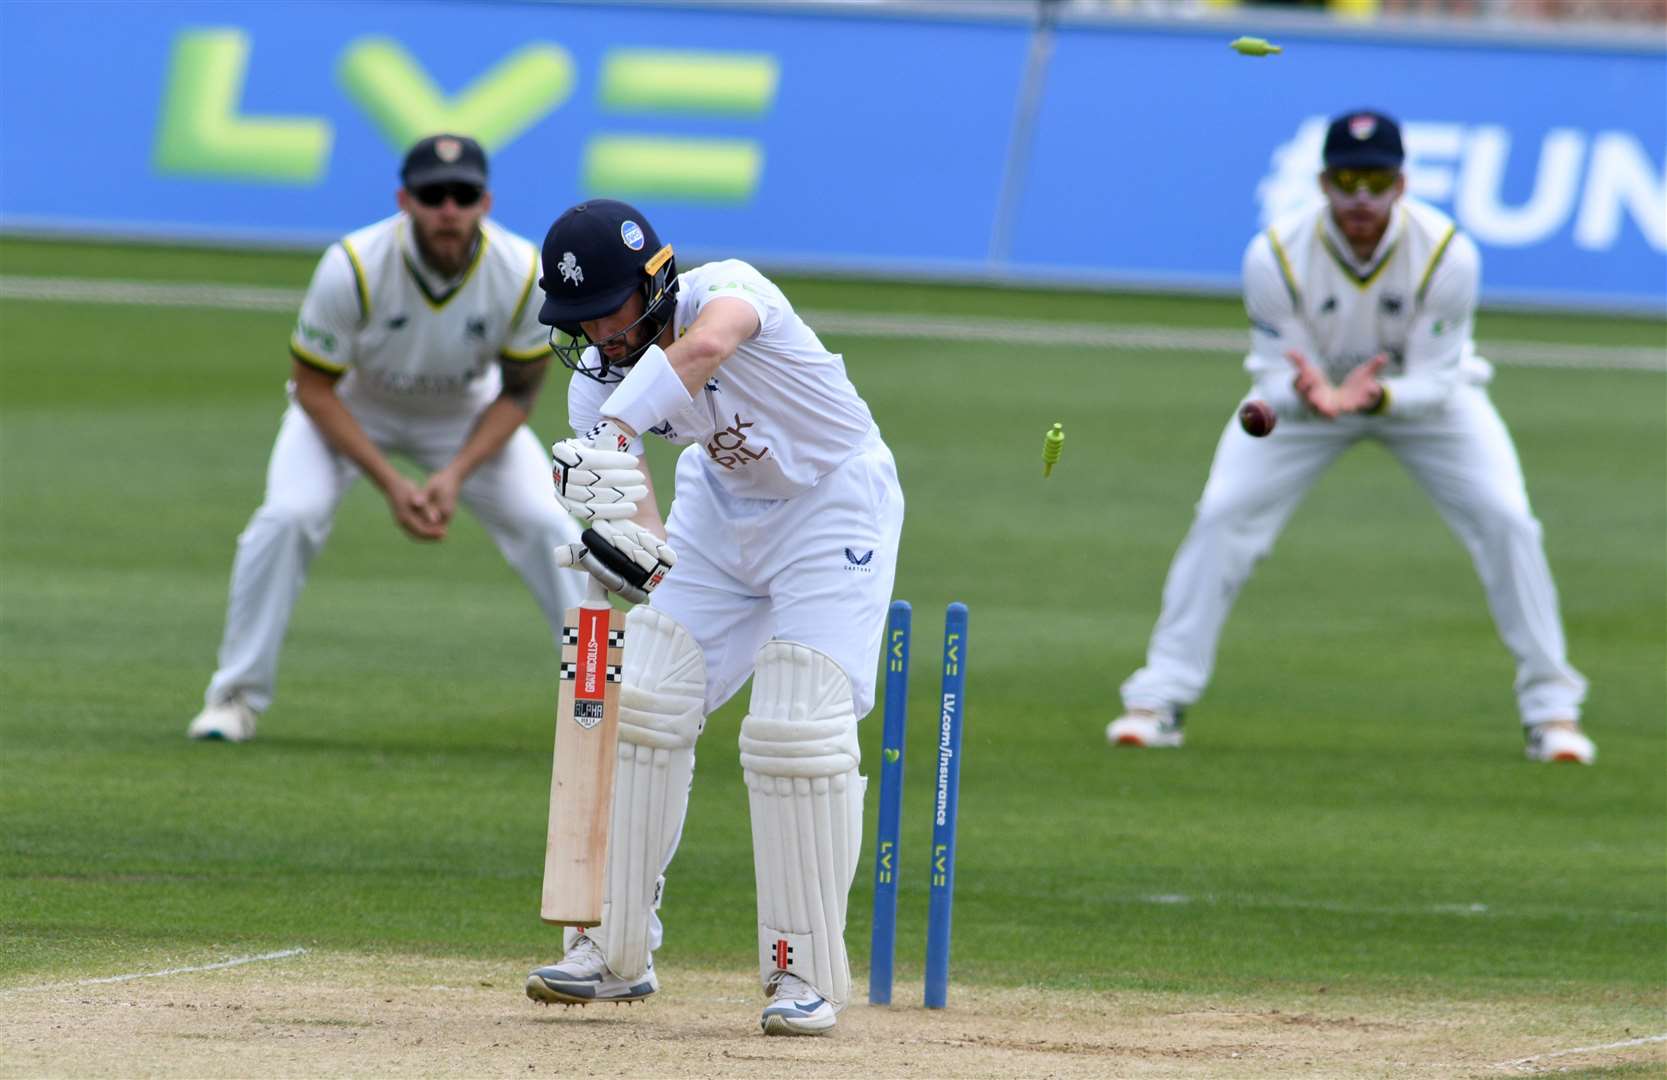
(418, 337)
(1361, 312)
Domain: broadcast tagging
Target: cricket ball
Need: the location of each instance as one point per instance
(1257, 418)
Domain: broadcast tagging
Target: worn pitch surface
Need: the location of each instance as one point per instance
(353, 1015)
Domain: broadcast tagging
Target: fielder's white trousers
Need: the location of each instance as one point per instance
(305, 480)
(1463, 458)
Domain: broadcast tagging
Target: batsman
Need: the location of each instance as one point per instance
(775, 562)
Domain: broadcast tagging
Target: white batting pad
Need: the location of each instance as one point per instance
(799, 755)
(662, 698)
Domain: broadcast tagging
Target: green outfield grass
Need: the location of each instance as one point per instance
(1352, 809)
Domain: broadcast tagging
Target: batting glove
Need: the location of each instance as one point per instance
(595, 478)
(625, 557)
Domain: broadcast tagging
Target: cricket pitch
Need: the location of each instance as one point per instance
(334, 1014)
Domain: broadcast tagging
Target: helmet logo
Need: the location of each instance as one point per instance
(569, 267)
(1361, 127)
(631, 233)
(448, 150)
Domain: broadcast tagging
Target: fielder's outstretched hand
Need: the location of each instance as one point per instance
(596, 480)
(625, 557)
(413, 512)
(1313, 387)
(1360, 391)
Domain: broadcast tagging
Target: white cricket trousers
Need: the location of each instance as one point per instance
(305, 480)
(816, 569)
(1463, 458)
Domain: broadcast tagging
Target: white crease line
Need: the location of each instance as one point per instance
(926, 327)
(234, 962)
(1520, 1062)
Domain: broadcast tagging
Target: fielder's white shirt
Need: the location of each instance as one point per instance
(1414, 299)
(778, 415)
(408, 338)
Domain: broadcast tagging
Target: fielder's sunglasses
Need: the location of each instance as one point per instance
(435, 194)
(1349, 181)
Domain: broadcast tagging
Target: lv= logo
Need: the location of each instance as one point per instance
(203, 130)
(887, 852)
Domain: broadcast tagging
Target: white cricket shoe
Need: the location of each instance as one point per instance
(1145, 727)
(230, 720)
(797, 1009)
(1560, 740)
(583, 976)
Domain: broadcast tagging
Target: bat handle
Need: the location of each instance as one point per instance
(596, 595)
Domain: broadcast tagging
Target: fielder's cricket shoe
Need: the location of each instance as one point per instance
(229, 721)
(796, 1009)
(1145, 727)
(582, 977)
(1560, 740)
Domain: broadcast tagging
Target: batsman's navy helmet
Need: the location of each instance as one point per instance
(595, 256)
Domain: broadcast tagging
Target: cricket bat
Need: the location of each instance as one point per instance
(582, 777)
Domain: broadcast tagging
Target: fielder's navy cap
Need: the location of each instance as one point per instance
(444, 159)
(594, 257)
(1363, 140)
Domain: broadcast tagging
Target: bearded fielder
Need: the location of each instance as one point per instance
(783, 529)
(418, 337)
(1360, 313)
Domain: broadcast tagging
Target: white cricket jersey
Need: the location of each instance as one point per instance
(405, 336)
(778, 415)
(1414, 299)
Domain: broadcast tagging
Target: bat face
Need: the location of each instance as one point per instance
(582, 777)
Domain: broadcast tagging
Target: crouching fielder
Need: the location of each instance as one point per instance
(1361, 310)
(785, 524)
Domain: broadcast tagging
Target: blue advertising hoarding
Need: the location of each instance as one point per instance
(1138, 153)
(1551, 158)
(155, 116)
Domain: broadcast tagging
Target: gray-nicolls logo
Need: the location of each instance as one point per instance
(571, 272)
